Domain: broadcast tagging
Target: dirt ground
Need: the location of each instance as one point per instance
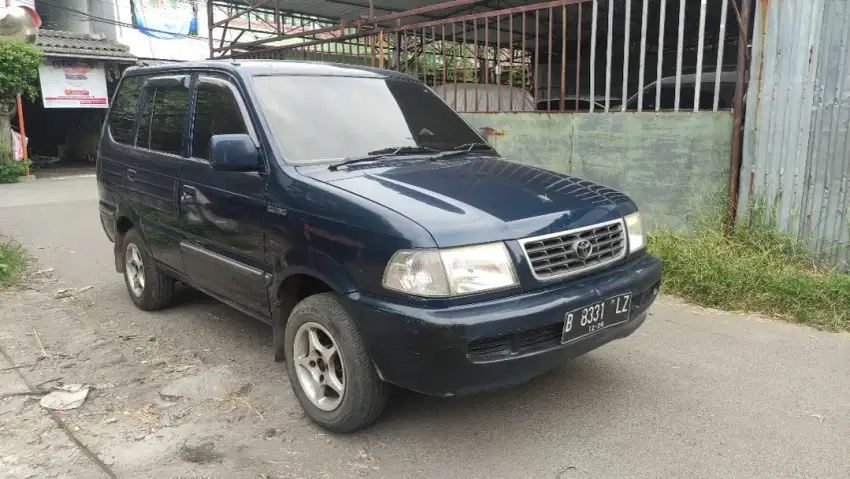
(127, 420)
(192, 392)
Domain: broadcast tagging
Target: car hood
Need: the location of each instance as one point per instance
(479, 199)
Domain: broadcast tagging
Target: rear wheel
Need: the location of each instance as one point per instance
(149, 287)
(329, 368)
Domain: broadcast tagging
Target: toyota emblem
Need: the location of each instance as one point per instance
(583, 248)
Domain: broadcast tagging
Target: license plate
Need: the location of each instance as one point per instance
(597, 316)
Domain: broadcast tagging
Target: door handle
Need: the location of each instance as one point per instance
(188, 192)
(131, 175)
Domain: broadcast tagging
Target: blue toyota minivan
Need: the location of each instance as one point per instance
(378, 234)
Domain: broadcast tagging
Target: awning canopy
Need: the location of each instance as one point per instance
(353, 9)
(395, 13)
(78, 45)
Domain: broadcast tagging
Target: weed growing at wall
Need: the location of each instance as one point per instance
(752, 269)
(13, 261)
(12, 171)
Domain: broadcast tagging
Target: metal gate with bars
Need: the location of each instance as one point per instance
(562, 55)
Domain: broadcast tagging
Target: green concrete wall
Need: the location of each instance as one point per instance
(670, 163)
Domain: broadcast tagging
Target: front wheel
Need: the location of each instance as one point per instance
(329, 367)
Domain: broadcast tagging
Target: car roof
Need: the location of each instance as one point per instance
(599, 98)
(706, 81)
(272, 67)
(709, 77)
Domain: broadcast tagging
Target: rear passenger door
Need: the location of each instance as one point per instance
(221, 212)
(150, 183)
(118, 137)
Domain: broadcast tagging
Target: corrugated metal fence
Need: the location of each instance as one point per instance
(796, 157)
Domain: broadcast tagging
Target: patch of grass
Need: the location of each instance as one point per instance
(13, 262)
(752, 269)
(10, 169)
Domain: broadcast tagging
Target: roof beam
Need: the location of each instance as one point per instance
(395, 10)
(239, 14)
(357, 23)
(475, 16)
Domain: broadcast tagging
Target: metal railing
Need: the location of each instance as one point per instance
(553, 56)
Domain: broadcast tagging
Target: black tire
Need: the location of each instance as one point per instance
(365, 393)
(158, 290)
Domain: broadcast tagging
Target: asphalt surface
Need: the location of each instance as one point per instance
(693, 393)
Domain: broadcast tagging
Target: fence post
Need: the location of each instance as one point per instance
(210, 26)
(738, 122)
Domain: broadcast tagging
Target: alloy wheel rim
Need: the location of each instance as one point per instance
(134, 269)
(319, 366)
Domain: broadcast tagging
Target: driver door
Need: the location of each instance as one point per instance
(221, 212)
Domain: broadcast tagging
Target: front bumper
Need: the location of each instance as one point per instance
(499, 343)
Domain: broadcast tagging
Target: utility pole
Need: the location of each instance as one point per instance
(21, 129)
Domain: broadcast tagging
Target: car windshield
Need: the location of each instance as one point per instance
(322, 118)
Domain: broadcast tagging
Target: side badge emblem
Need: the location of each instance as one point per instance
(276, 210)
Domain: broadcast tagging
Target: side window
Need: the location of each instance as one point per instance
(169, 110)
(727, 96)
(686, 97)
(668, 97)
(706, 98)
(216, 113)
(123, 114)
(648, 100)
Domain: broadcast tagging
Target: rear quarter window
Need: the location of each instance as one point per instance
(122, 118)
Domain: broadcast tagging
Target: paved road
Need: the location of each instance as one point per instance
(692, 394)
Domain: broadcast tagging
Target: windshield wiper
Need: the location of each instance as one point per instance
(473, 146)
(401, 150)
(462, 149)
(382, 153)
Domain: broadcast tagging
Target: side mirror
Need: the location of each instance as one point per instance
(234, 153)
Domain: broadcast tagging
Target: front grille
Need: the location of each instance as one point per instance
(522, 342)
(555, 255)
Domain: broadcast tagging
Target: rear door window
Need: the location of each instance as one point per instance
(122, 118)
(162, 116)
(217, 112)
(169, 112)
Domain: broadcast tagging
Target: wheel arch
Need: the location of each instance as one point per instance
(124, 221)
(287, 290)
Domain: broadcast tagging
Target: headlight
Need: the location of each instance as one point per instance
(634, 228)
(450, 272)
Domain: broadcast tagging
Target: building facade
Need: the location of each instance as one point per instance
(152, 29)
(165, 30)
(76, 80)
